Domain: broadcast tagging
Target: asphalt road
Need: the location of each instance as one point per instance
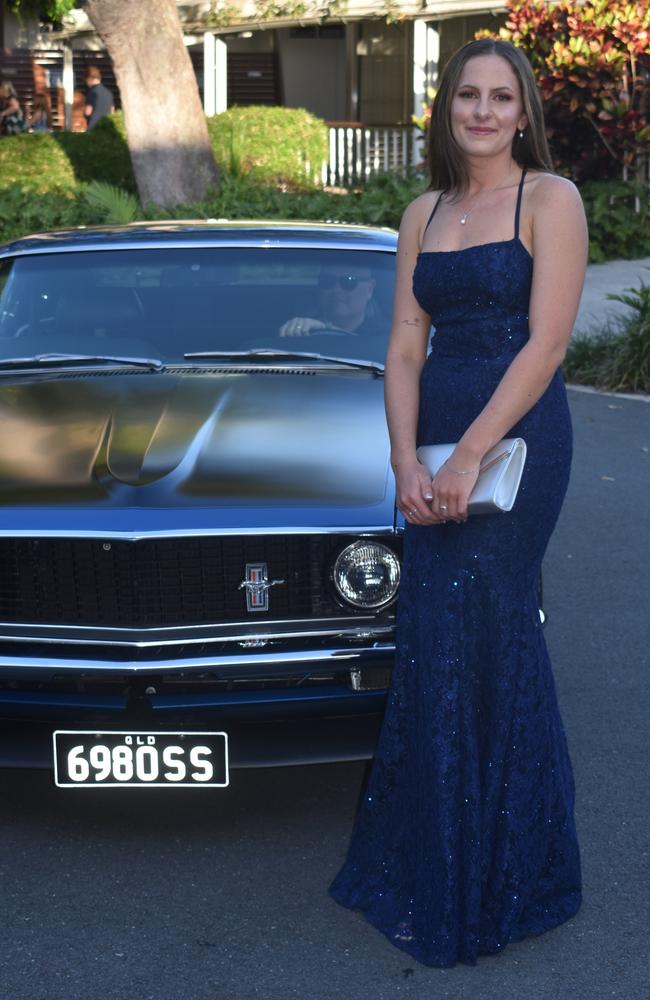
(222, 896)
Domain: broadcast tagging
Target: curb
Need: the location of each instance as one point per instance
(638, 396)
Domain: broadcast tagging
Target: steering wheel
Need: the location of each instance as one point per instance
(322, 331)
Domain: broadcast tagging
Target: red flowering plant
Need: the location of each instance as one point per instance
(592, 63)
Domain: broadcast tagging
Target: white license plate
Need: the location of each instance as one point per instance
(88, 759)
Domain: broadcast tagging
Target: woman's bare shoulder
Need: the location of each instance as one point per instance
(417, 212)
(547, 189)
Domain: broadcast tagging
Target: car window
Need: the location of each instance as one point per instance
(164, 302)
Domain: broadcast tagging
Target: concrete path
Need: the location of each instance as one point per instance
(614, 276)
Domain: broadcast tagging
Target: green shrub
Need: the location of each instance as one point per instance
(380, 202)
(117, 207)
(24, 211)
(100, 155)
(56, 161)
(34, 162)
(616, 229)
(618, 358)
(272, 145)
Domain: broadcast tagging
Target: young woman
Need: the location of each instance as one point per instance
(465, 836)
(39, 120)
(11, 115)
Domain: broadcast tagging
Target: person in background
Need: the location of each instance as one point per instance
(99, 100)
(39, 120)
(344, 302)
(11, 115)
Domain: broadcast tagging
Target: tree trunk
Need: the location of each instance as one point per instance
(165, 124)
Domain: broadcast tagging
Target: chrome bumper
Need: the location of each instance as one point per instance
(252, 664)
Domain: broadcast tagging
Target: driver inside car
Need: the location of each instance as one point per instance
(344, 304)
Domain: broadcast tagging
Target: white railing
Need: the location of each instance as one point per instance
(356, 152)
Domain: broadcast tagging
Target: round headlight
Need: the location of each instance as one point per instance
(366, 574)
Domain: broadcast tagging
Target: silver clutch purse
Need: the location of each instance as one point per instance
(499, 475)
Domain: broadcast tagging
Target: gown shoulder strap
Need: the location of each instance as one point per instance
(518, 208)
(433, 212)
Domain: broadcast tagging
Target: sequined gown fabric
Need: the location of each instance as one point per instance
(464, 838)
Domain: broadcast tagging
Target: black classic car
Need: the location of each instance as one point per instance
(199, 547)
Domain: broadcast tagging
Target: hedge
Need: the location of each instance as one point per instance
(280, 146)
(272, 145)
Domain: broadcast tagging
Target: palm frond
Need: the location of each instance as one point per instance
(112, 203)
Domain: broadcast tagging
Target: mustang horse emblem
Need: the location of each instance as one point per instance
(257, 586)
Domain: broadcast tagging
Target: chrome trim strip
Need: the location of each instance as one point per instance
(27, 666)
(130, 536)
(278, 241)
(340, 632)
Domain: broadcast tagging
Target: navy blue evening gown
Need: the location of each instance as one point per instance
(465, 837)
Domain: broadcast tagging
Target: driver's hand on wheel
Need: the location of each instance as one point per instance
(300, 326)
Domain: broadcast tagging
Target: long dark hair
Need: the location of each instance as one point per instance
(447, 164)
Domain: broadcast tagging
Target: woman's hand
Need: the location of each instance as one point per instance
(414, 493)
(452, 485)
(301, 326)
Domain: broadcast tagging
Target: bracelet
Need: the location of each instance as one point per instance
(458, 472)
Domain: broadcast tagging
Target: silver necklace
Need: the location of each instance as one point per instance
(466, 215)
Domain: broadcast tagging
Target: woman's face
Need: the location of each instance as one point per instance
(487, 107)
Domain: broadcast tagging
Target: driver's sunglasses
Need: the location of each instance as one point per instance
(347, 282)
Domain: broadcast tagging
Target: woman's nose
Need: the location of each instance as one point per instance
(482, 108)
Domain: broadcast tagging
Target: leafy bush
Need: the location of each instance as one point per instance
(56, 161)
(618, 358)
(101, 154)
(34, 162)
(117, 207)
(271, 144)
(379, 202)
(616, 228)
(24, 211)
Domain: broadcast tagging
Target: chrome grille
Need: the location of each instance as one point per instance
(162, 582)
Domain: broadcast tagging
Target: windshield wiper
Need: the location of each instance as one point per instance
(268, 354)
(153, 364)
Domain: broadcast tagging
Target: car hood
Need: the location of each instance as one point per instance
(118, 451)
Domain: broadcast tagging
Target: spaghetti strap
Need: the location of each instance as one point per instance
(435, 209)
(518, 209)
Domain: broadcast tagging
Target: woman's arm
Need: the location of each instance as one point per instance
(407, 351)
(559, 233)
(11, 108)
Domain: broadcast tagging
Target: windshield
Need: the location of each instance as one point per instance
(166, 302)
